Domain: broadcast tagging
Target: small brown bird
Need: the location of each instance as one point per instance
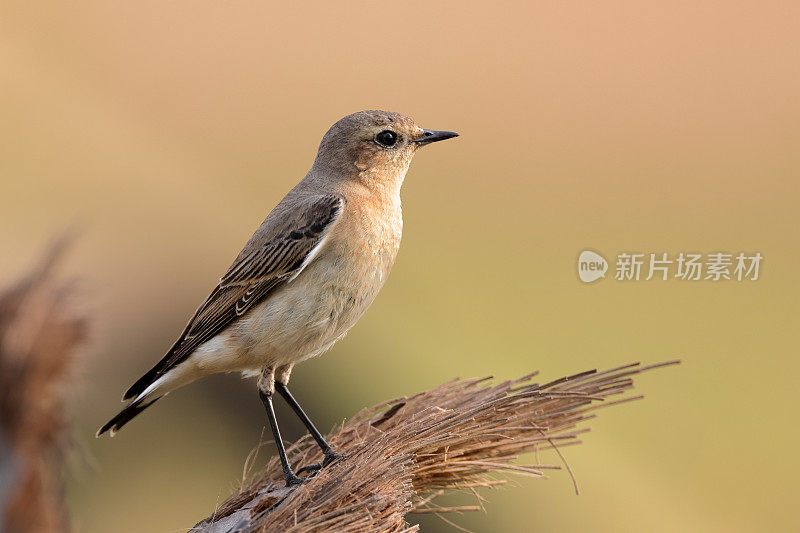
(306, 275)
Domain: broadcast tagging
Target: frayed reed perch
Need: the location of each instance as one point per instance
(404, 453)
(40, 333)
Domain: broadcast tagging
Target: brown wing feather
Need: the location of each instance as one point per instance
(251, 278)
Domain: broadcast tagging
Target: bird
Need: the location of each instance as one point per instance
(305, 277)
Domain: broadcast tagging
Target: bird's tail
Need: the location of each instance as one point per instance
(126, 415)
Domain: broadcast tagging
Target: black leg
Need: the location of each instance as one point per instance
(291, 478)
(330, 455)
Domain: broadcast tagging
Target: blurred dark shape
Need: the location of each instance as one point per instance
(39, 334)
(404, 453)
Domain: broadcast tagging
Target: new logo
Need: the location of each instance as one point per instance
(591, 266)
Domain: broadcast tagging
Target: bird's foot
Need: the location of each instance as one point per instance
(292, 480)
(311, 469)
(330, 458)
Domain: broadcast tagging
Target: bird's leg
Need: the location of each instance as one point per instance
(330, 455)
(266, 388)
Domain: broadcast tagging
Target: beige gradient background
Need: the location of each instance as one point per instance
(169, 129)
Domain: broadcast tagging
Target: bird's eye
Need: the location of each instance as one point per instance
(386, 138)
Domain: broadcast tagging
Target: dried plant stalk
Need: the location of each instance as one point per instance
(404, 453)
(39, 334)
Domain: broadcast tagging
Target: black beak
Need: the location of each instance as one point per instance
(431, 136)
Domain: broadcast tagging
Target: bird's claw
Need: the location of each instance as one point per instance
(332, 457)
(312, 468)
(329, 459)
(294, 480)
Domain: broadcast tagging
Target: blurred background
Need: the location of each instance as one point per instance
(168, 130)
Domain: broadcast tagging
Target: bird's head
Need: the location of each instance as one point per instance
(375, 147)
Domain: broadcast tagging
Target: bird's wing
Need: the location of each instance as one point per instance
(277, 253)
